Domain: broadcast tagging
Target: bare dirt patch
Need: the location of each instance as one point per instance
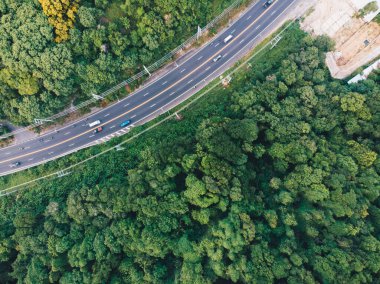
(357, 41)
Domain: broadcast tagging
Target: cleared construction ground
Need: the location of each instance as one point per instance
(357, 38)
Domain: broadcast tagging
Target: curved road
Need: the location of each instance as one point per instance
(165, 92)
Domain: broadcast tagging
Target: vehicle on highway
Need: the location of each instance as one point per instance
(217, 58)
(227, 39)
(97, 130)
(15, 164)
(94, 123)
(125, 123)
(196, 71)
(268, 3)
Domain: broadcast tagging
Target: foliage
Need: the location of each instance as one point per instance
(369, 8)
(4, 129)
(61, 15)
(275, 179)
(377, 19)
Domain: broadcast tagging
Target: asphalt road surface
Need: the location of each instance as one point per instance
(190, 75)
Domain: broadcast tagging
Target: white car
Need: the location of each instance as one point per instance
(95, 123)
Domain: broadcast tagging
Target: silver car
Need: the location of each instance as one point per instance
(217, 58)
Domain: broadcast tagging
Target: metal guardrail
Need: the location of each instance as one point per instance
(153, 67)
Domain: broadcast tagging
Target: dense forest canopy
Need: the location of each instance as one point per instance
(275, 179)
(55, 51)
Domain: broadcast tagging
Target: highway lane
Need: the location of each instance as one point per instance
(149, 98)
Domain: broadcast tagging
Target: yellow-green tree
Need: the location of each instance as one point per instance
(61, 15)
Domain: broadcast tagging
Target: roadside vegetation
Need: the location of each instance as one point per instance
(369, 8)
(274, 179)
(4, 130)
(377, 19)
(55, 53)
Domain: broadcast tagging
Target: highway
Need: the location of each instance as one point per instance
(190, 75)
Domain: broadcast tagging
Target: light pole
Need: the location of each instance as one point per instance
(97, 97)
(199, 32)
(147, 71)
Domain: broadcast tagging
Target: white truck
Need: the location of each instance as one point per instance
(227, 39)
(94, 123)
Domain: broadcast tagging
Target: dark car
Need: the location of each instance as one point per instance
(97, 130)
(268, 3)
(15, 164)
